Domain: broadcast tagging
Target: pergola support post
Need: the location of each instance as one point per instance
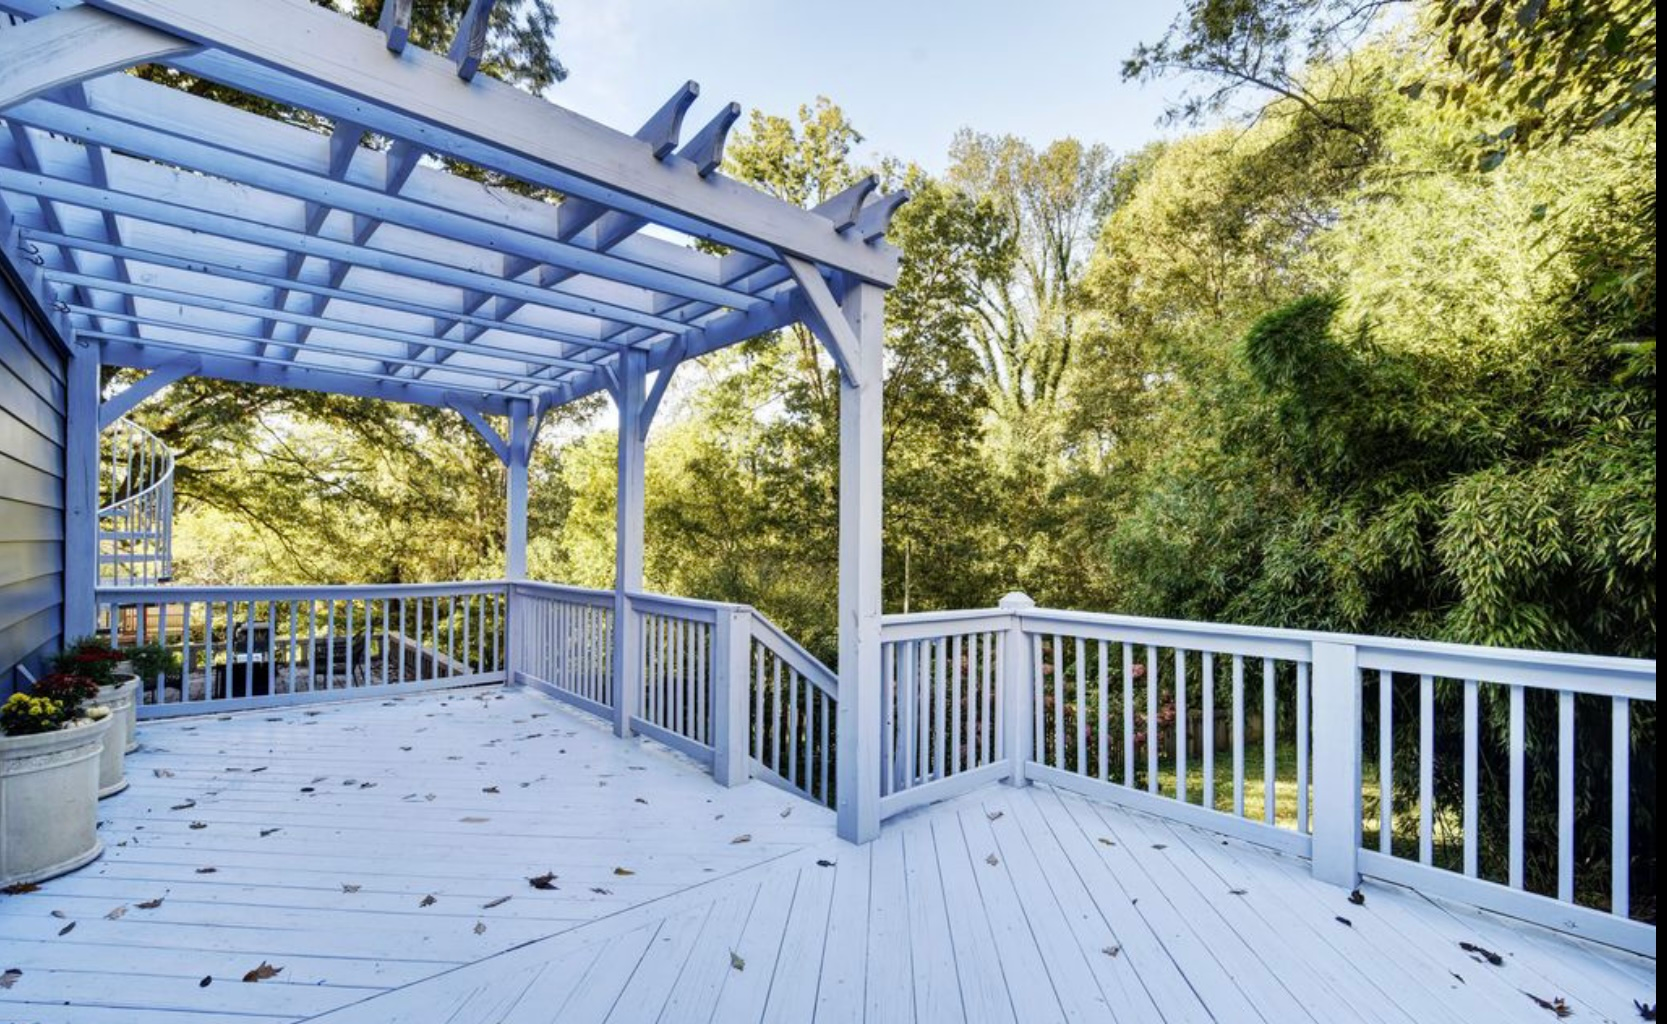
(518, 455)
(860, 455)
(81, 430)
(628, 535)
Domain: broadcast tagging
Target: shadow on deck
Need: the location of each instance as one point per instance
(379, 854)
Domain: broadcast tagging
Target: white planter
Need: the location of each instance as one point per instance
(121, 699)
(130, 717)
(49, 801)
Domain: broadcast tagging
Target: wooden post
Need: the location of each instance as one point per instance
(519, 455)
(860, 455)
(1337, 754)
(81, 491)
(731, 659)
(628, 538)
(1017, 682)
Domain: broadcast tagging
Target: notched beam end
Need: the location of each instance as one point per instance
(876, 216)
(395, 23)
(663, 129)
(706, 149)
(844, 208)
(468, 47)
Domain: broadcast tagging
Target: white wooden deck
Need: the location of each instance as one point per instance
(1005, 905)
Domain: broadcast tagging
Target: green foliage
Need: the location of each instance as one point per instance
(153, 661)
(89, 658)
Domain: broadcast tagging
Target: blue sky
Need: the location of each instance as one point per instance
(907, 72)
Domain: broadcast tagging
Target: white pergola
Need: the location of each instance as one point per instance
(166, 232)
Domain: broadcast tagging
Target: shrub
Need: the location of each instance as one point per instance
(153, 660)
(68, 690)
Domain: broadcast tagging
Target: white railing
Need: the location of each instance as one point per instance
(247, 647)
(793, 701)
(563, 641)
(1261, 734)
(136, 513)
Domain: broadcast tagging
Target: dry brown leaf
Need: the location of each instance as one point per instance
(489, 789)
(208, 979)
(117, 914)
(9, 978)
(162, 773)
(20, 889)
(742, 838)
(1558, 1006)
(1106, 842)
(199, 824)
(151, 904)
(1112, 951)
(428, 901)
(66, 929)
(598, 890)
(264, 972)
(474, 820)
(268, 831)
(545, 881)
(500, 901)
(735, 961)
(994, 815)
(186, 806)
(207, 871)
(1358, 898)
(348, 887)
(992, 860)
(480, 927)
(623, 872)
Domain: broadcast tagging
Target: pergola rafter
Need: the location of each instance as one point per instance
(171, 233)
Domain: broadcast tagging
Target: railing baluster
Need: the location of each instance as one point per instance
(1472, 730)
(1386, 763)
(1270, 746)
(1152, 722)
(1207, 674)
(1181, 725)
(1565, 796)
(956, 708)
(1426, 769)
(1082, 706)
(1302, 747)
(1128, 714)
(1102, 746)
(1620, 807)
(1238, 736)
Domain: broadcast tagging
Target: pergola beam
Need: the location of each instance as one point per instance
(311, 58)
(70, 46)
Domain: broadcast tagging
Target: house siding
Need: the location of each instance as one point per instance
(32, 404)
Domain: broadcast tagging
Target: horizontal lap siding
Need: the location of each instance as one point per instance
(31, 489)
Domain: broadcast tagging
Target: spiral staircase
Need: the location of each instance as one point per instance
(136, 507)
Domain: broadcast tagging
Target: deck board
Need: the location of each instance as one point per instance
(1003, 905)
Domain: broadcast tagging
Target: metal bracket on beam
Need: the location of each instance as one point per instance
(468, 48)
(706, 149)
(825, 318)
(499, 446)
(119, 405)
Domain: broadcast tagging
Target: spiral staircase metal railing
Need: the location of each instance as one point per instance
(136, 513)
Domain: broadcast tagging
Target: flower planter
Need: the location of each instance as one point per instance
(49, 802)
(129, 713)
(122, 700)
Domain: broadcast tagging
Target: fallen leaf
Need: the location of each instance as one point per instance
(207, 871)
(162, 773)
(1459, 976)
(742, 838)
(1558, 1006)
(1646, 1011)
(546, 881)
(349, 888)
(1483, 954)
(623, 872)
(474, 820)
(150, 904)
(20, 888)
(264, 972)
(253, 771)
(1238, 892)
(1345, 921)
(308, 789)
(199, 824)
(186, 806)
(785, 811)
(1112, 951)
(1106, 842)
(66, 929)
(598, 890)
(268, 831)
(208, 979)
(428, 901)
(994, 815)
(824, 863)
(117, 914)
(367, 785)
(1159, 846)
(59, 914)
(480, 927)
(640, 800)
(500, 901)
(9, 978)
(1358, 898)
(405, 748)
(489, 789)
(992, 860)
(736, 962)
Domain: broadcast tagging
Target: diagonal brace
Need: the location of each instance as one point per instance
(825, 318)
(122, 403)
(493, 439)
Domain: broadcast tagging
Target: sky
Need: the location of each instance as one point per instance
(908, 73)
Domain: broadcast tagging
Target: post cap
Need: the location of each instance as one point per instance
(1016, 599)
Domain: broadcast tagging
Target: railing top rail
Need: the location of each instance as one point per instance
(807, 664)
(162, 473)
(678, 607)
(580, 595)
(171, 594)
